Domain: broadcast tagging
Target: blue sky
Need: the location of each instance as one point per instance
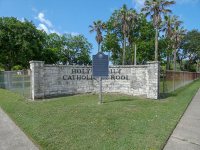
(74, 16)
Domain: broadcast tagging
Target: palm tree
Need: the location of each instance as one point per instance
(122, 20)
(169, 23)
(178, 35)
(125, 19)
(168, 27)
(132, 18)
(174, 34)
(155, 9)
(98, 27)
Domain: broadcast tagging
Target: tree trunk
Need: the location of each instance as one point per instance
(168, 62)
(174, 59)
(135, 55)
(197, 66)
(156, 45)
(132, 54)
(124, 51)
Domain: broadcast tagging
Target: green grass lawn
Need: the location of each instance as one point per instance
(79, 123)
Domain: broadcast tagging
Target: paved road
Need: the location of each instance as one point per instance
(186, 135)
(11, 137)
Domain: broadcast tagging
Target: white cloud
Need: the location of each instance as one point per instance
(42, 19)
(43, 27)
(45, 24)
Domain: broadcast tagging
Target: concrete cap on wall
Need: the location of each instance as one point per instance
(36, 63)
(153, 62)
(33, 61)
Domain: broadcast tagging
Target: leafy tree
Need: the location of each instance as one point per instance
(125, 19)
(111, 44)
(114, 39)
(191, 48)
(51, 51)
(141, 34)
(75, 49)
(66, 49)
(155, 9)
(82, 47)
(144, 37)
(20, 42)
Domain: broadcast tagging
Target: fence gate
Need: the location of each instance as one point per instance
(16, 81)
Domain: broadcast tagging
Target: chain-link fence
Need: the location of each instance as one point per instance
(16, 81)
(172, 80)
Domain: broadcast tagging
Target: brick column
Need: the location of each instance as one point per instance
(37, 81)
(153, 79)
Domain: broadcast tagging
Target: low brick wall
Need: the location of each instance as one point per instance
(53, 80)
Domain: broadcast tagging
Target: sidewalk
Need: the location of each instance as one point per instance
(186, 135)
(11, 137)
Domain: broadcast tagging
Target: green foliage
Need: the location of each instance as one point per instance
(191, 45)
(17, 67)
(155, 9)
(1, 68)
(111, 44)
(191, 49)
(145, 39)
(66, 49)
(75, 49)
(20, 42)
(142, 35)
(52, 46)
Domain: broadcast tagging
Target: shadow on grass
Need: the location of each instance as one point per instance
(121, 100)
(54, 97)
(167, 95)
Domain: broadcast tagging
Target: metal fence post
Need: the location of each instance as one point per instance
(9, 79)
(173, 81)
(23, 92)
(163, 81)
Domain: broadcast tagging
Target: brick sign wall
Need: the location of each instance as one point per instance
(51, 80)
